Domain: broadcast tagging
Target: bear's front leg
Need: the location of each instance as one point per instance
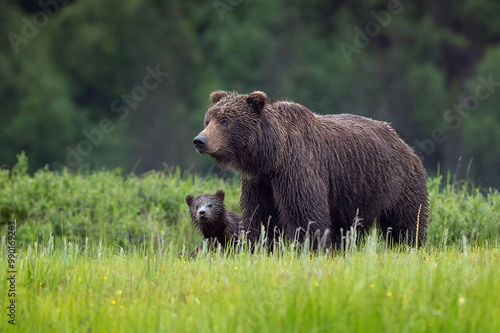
(258, 208)
(303, 208)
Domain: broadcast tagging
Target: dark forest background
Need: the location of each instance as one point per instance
(75, 90)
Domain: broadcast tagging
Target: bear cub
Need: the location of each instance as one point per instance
(210, 216)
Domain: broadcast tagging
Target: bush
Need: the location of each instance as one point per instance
(130, 208)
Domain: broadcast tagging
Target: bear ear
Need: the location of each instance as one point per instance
(220, 194)
(189, 199)
(217, 96)
(257, 100)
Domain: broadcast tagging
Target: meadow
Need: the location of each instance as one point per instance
(103, 252)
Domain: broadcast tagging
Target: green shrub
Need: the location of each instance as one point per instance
(130, 208)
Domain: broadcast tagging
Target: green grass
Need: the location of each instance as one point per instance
(370, 289)
(99, 252)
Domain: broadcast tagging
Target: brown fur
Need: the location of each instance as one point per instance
(309, 174)
(217, 224)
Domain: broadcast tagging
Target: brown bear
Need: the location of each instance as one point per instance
(305, 174)
(209, 215)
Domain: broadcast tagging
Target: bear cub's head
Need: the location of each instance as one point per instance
(207, 211)
(232, 126)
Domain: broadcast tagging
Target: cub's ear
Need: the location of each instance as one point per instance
(257, 100)
(217, 96)
(189, 199)
(220, 194)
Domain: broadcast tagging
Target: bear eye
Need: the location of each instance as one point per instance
(206, 123)
(224, 122)
(209, 205)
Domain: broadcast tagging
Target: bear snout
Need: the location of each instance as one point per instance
(203, 213)
(200, 142)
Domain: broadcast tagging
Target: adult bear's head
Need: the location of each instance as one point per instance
(232, 127)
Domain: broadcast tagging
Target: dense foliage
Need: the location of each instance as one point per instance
(72, 86)
(129, 209)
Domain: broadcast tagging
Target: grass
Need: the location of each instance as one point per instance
(101, 288)
(99, 252)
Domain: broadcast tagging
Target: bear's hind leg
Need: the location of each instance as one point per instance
(400, 225)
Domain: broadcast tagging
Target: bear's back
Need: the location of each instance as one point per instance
(369, 156)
